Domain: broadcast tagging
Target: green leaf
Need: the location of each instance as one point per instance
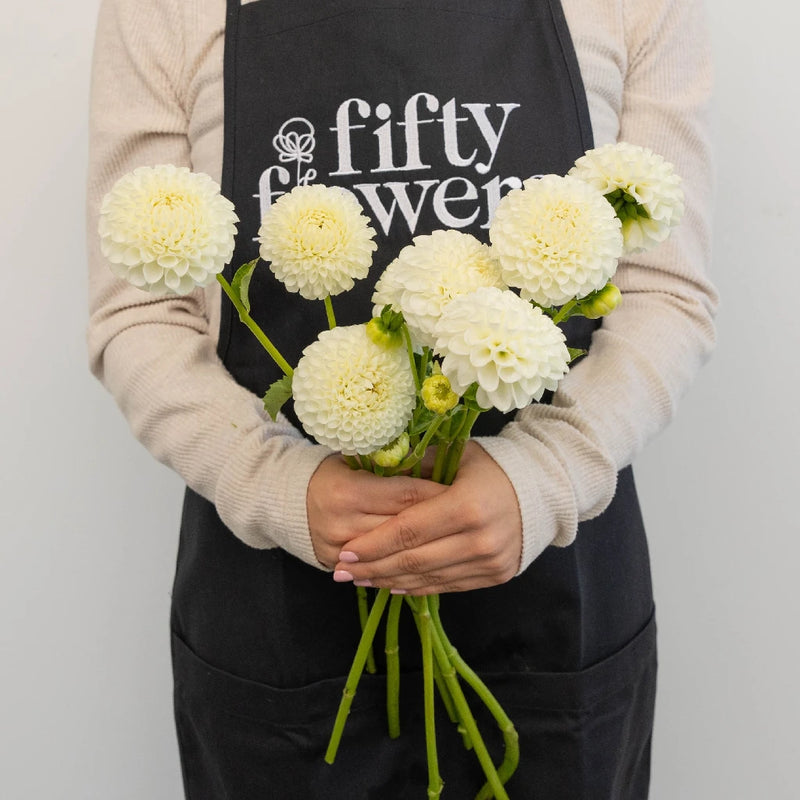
(575, 353)
(241, 282)
(277, 395)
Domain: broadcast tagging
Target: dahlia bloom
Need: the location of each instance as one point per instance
(166, 230)
(351, 394)
(429, 273)
(318, 240)
(642, 187)
(556, 239)
(510, 348)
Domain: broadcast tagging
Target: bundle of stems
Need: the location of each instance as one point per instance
(443, 668)
(443, 671)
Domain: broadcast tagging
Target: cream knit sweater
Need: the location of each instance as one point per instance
(157, 98)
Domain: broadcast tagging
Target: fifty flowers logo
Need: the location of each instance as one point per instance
(425, 155)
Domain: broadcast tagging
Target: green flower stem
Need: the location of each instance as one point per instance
(423, 364)
(457, 447)
(439, 463)
(447, 702)
(410, 350)
(355, 673)
(420, 448)
(565, 311)
(393, 665)
(352, 462)
(444, 692)
(244, 316)
(329, 312)
(426, 634)
(510, 735)
(467, 720)
(363, 616)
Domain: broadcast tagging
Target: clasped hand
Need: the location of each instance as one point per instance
(415, 536)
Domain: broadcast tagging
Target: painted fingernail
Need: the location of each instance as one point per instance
(365, 582)
(398, 591)
(348, 557)
(342, 576)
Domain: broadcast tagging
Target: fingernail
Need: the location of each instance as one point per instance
(342, 576)
(348, 557)
(398, 591)
(365, 582)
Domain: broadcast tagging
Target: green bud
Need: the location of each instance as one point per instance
(393, 454)
(600, 303)
(437, 394)
(382, 334)
(626, 206)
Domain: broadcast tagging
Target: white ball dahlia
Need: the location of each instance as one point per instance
(166, 229)
(642, 187)
(351, 394)
(429, 273)
(556, 239)
(510, 348)
(318, 240)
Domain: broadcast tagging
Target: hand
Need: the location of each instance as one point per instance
(466, 537)
(343, 503)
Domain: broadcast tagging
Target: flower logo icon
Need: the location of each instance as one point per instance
(295, 143)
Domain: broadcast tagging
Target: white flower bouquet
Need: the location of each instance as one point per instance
(458, 327)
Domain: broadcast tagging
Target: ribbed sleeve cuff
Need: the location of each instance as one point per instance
(261, 492)
(559, 476)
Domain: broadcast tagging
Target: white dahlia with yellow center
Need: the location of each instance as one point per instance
(429, 273)
(557, 239)
(166, 230)
(318, 240)
(352, 394)
(643, 188)
(510, 348)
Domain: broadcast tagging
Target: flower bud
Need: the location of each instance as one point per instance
(600, 303)
(383, 336)
(393, 454)
(386, 330)
(437, 395)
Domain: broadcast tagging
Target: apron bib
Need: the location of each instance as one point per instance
(428, 112)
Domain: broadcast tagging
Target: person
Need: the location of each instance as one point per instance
(428, 112)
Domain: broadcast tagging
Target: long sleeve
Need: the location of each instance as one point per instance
(563, 459)
(157, 356)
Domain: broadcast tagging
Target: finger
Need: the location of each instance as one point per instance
(454, 578)
(373, 495)
(435, 518)
(390, 496)
(411, 567)
(475, 555)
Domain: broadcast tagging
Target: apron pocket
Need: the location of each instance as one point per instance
(242, 740)
(585, 735)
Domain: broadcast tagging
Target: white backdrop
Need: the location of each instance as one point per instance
(89, 522)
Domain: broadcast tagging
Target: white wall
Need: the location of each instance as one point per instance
(88, 521)
(720, 487)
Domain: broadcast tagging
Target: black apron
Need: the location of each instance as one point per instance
(428, 111)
